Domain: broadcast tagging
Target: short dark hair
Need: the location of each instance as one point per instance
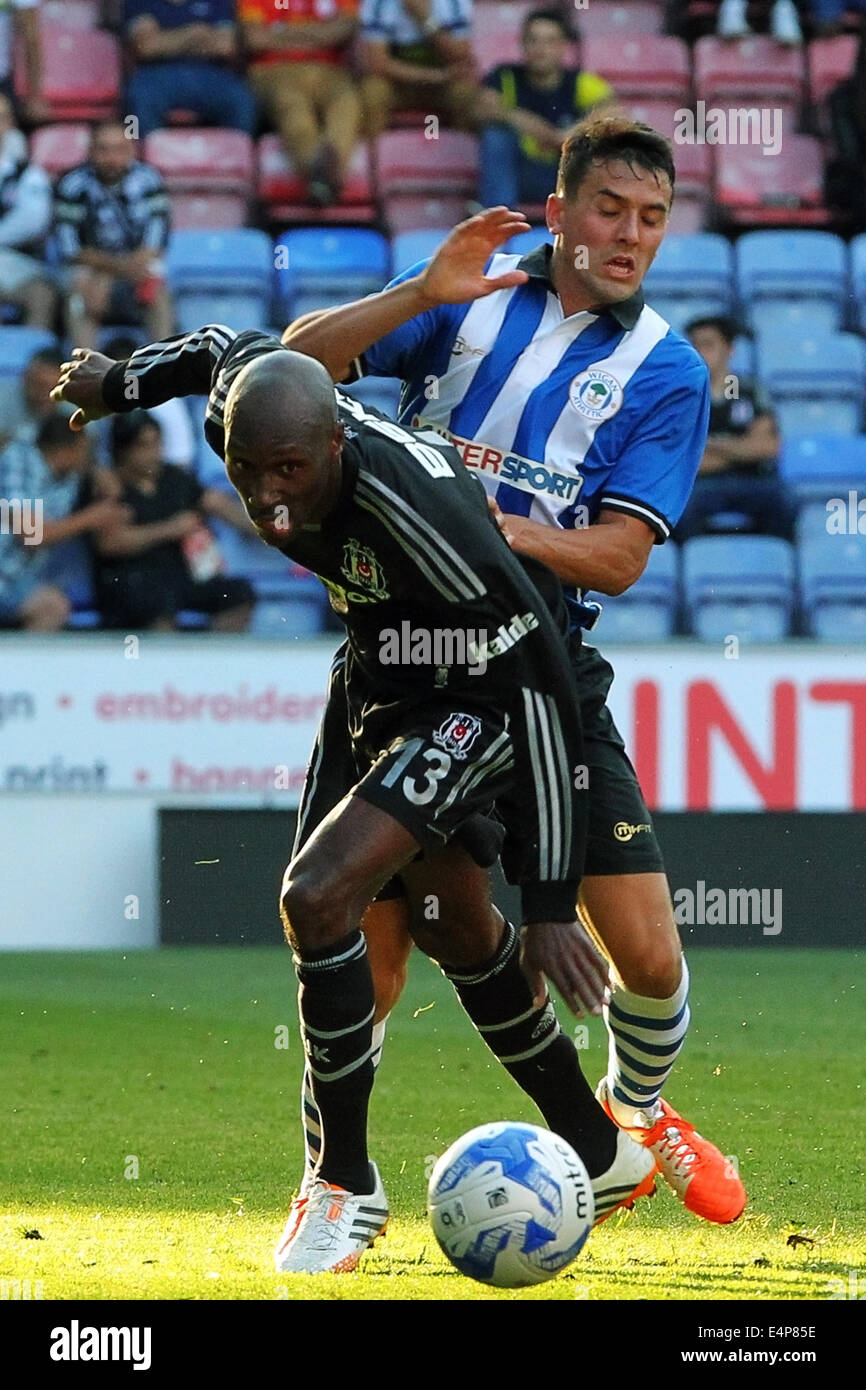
(125, 430)
(54, 432)
(599, 138)
(723, 323)
(550, 16)
(46, 357)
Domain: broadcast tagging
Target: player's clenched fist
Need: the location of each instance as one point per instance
(564, 953)
(80, 383)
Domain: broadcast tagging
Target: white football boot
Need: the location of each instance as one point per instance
(631, 1175)
(329, 1228)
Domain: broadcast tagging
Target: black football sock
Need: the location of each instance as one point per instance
(336, 1005)
(529, 1043)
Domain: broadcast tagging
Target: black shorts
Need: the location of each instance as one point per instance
(621, 839)
(135, 597)
(431, 765)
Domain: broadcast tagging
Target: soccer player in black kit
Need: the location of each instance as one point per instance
(401, 535)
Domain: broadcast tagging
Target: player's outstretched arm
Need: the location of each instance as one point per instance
(455, 275)
(565, 954)
(181, 366)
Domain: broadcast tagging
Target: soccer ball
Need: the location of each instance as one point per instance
(510, 1204)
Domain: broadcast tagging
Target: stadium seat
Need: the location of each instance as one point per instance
(617, 18)
(640, 68)
(407, 248)
(202, 160)
(786, 189)
(818, 466)
(283, 191)
(647, 611)
(857, 250)
(496, 32)
(209, 212)
(693, 270)
(804, 416)
(74, 14)
(792, 318)
(221, 277)
(525, 242)
(80, 72)
(317, 267)
(425, 183)
(381, 392)
(17, 346)
(58, 148)
(811, 520)
(833, 586)
(808, 266)
(739, 584)
(748, 71)
(814, 364)
(829, 61)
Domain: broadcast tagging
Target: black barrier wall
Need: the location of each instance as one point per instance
(785, 879)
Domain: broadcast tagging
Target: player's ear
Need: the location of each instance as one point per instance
(338, 437)
(553, 213)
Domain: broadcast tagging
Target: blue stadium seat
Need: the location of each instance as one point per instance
(806, 265)
(221, 277)
(775, 319)
(291, 602)
(811, 520)
(691, 276)
(740, 585)
(818, 466)
(333, 264)
(647, 611)
(833, 586)
(381, 392)
(817, 367)
(857, 251)
(525, 242)
(409, 247)
(804, 416)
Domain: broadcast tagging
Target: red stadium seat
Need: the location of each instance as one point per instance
(412, 213)
(210, 211)
(649, 65)
(830, 61)
(56, 148)
(203, 160)
(407, 162)
(496, 31)
(756, 69)
(80, 72)
(661, 115)
(616, 18)
(783, 190)
(74, 14)
(283, 191)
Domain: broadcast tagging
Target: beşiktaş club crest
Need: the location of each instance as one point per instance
(361, 567)
(458, 734)
(595, 394)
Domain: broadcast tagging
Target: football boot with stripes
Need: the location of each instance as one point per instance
(631, 1175)
(705, 1181)
(329, 1228)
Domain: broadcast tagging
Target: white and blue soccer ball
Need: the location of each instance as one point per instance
(510, 1204)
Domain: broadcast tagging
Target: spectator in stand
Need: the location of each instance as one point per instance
(25, 219)
(416, 55)
(47, 480)
(738, 487)
(183, 51)
(19, 22)
(530, 106)
(112, 225)
(25, 408)
(163, 559)
(299, 71)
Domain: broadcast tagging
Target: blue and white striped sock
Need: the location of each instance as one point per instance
(645, 1038)
(310, 1117)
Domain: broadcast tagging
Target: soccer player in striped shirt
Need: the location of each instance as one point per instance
(585, 417)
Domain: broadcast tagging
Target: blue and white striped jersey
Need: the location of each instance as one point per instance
(560, 416)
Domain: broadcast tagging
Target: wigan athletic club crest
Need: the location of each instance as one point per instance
(458, 734)
(361, 568)
(595, 394)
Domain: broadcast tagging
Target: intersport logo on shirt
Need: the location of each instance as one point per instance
(520, 472)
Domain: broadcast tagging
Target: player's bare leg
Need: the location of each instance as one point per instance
(454, 922)
(647, 1017)
(326, 890)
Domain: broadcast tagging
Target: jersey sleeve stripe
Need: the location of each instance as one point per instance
(633, 507)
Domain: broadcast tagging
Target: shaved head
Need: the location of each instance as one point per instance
(283, 443)
(281, 395)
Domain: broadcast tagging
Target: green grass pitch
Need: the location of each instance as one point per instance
(151, 1136)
